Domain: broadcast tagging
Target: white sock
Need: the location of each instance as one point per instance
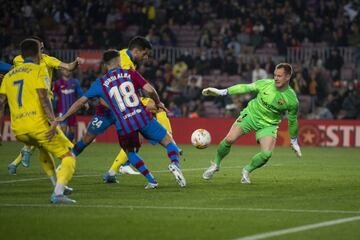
(112, 173)
(53, 180)
(59, 189)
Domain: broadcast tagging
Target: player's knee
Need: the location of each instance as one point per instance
(229, 140)
(88, 138)
(266, 154)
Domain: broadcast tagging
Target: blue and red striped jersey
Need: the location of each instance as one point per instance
(120, 90)
(66, 93)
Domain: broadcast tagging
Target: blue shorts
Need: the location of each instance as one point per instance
(153, 132)
(99, 124)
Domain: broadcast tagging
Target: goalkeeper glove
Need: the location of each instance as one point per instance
(295, 146)
(214, 92)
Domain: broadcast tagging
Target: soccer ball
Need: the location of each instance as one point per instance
(200, 138)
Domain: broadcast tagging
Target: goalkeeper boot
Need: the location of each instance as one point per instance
(58, 199)
(175, 170)
(127, 170)
(107, 178)
(245, 179)
(209, 173)
(25, 157)
(151, 185)
(12, 169)
(68, 190)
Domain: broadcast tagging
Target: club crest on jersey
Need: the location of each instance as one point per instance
(281, 101)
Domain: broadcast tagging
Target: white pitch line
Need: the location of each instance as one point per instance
(178, 208)
(299, 229)
(97, 175)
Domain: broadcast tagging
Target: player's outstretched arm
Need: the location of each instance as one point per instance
(236, 89)
(74, 108)
(2, 107)
(293, 128)
(214, 92)
(43, 94)
(73, 65)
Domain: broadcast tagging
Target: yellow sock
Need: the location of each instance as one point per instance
(47, 162)
(66, 171)
(164, 121)
(120, 159)
(17, 160)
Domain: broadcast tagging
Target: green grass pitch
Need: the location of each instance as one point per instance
(288, 192)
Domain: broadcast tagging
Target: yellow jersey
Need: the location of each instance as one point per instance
(49, 62)
(19, 85)
(126, 61)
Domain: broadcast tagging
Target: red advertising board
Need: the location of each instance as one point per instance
(327, 133)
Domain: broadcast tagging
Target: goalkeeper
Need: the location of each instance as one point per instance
(262, 115)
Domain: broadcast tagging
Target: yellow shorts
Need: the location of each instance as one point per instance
(57, 146)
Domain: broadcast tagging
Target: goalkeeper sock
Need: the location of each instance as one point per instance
(139, 164)
(162, 118)
(173, 153)
(222, 150)
(79, 147)
(258, 160)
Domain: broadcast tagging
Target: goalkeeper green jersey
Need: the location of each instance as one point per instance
(270, 103)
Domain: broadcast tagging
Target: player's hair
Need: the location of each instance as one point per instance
(29, 47)
(287, 68)
(140, 43)
(36, 38)
(109, 55)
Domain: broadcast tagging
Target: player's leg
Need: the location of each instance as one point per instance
(96, 126)
(267, 139)
(48, 165)
(70, 133)
(131, 144)
(23, 158)
(60, 146)
(223, 149)
(156, 133)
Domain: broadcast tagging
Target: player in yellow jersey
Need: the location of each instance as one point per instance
(50, 63)
(26, 88)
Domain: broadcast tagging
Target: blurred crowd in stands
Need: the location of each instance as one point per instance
(229, 28)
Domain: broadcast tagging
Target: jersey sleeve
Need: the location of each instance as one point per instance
(79, 91)
(42, 80)
(5, 67)
(3, 85)
(51, 62)
(94, 91)
(137, 79)
(293, 119)
(242, 88)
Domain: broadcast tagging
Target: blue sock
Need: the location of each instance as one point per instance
(79, 147)
(70, 136)
(139, 164)
(127, 163)
(173, 153)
